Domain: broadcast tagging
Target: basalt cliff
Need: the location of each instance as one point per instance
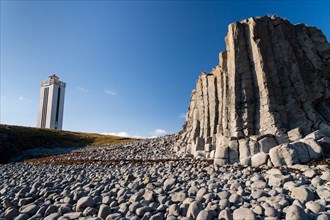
(268, 99)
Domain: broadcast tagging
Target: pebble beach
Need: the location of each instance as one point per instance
(146, 180)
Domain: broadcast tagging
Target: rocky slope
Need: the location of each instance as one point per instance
(269, 90)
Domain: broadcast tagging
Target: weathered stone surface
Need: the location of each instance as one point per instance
(278, 180)
(104, 211)
(30, 209)
(194, 209)
(303, 194)
(300, 151)
(315, 207)
(10, 213)
(205, 215)
(295, 212)
(243, 214)
(259, 159)
(244, 152)
(325, 144)
(114, 216)
(283, 155)
(84, 202)
(295, 134)
(267, 143)
(269, 89)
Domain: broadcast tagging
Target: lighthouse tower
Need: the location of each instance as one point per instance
(51, 103)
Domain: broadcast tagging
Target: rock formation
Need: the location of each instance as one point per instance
(270, 89)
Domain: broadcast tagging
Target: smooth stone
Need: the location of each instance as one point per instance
(235, 199)
(106, 200)
(315, 207)
(143, 210)
(29, 209)
(134, 206)
(10, 213)
(310, 173)
(270, 212)
(158, 216)
(90, 218)
(225, 215)
(316, 181)
(258, 210)
(274, 171)
(323, 217)
(224, 195)
(137, 196)
(73, 215)
(174, 210)
(205, 215)
(243, 214)
(53, 216)
(325, 176)
(90, 211)
(295, 212)
(22, 216)
(179, 197)
(303, 194)
(104, 211)
(162, 208)
(323, 193)
(123, 208)
(114, 216)
(184, 209)
(194, 209)
(65, 208)
(84, 202)
(25, 201)
(192, 191)
(51, 209)
(260, 184)
(169, 183)
(41, 210)
(259, 159)
(201, 192)
(277, 180)
(256, 194)
(224, 203)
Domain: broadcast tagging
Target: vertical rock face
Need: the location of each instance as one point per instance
(271, 86)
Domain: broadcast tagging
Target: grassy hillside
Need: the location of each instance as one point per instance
(14, 139)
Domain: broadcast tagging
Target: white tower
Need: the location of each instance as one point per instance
(51, 103)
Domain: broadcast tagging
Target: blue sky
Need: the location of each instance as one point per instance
(130, 66)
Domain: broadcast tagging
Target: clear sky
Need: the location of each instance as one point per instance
(130, 66)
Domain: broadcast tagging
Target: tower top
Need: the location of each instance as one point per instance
(54, 77)
(52, 80)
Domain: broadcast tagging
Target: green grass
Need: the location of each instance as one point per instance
(24, 138)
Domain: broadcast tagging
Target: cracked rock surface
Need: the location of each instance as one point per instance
(270, 88)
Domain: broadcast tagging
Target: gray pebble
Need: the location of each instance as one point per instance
(194, 209)
(104, 211)
(295, 212)
(84, 202)
(53, 216)
(243, 214)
